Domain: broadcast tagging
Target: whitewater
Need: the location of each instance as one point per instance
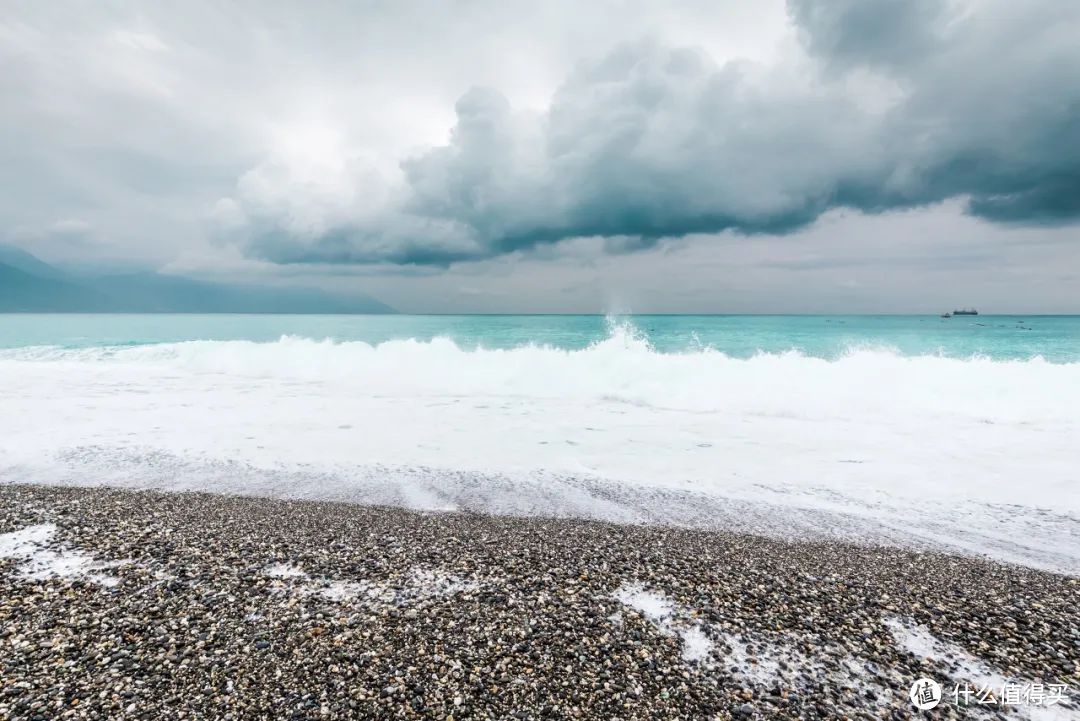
(974, 454)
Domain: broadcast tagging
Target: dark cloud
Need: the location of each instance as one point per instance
(901, 103)
(888, 33)
(1054, 199)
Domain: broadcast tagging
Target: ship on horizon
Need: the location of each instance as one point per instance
(965, 311)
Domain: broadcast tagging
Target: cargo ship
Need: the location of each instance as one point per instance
(965, 311)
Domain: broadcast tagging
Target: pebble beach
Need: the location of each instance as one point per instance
(121, 604)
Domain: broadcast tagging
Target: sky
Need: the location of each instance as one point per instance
(618, 155)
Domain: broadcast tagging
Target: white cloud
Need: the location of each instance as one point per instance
(651, 141)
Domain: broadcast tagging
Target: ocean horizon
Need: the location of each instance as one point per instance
(997, 336)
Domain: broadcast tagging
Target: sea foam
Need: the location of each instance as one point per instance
(973, 454)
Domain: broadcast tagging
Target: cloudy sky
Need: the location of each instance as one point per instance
(628, 155)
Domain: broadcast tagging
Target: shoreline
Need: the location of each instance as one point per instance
(1034, 537)
(195, 605)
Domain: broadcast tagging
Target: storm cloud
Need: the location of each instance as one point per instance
(514, 156)
(889, 104)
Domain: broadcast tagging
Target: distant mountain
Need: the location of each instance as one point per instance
(153, 293)
(28, 284)
(27, 263)
(22, 292)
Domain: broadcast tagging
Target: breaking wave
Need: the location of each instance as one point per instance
(972, 453)
(623, 367)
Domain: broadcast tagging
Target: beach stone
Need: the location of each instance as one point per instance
(254, 608)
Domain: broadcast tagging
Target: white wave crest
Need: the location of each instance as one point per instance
(622, 367)
(976, 453)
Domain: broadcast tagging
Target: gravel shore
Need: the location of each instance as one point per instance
(146, 605)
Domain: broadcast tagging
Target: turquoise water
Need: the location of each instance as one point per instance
(1054, 338)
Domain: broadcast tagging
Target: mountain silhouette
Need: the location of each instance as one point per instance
(29, 285)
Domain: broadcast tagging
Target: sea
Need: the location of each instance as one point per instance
(958, 434)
